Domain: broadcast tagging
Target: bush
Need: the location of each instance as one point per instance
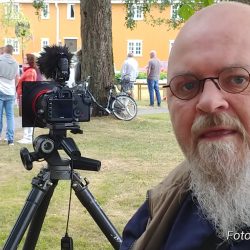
(117, 76)
(142, 75)
(163, 75)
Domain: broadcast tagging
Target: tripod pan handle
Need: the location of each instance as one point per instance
(88, 164)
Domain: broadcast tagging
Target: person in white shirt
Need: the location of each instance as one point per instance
(9, 74)
(129, 73)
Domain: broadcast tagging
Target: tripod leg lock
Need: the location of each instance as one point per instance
(42, 181)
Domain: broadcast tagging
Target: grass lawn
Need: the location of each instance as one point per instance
(135, 156)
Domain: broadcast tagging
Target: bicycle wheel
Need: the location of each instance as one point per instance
(124, 107)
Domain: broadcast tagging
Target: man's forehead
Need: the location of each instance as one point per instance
(223, 17)
(224, 25)
(222, 11)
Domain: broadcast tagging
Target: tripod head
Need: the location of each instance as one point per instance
(46, 148)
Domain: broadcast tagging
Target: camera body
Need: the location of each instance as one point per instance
(46, 104)
(53, 104)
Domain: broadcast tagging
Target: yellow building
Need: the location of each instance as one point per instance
(60, 24)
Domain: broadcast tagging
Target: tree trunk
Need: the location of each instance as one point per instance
(97, 51)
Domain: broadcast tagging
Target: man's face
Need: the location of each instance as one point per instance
(207, 57)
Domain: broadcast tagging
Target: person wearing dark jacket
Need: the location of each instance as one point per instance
(204, 204)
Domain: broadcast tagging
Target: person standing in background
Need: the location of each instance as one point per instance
(153, 76)
(129, 73)
(29, 74)
(78, 66)
(1, 50)
(9, 74)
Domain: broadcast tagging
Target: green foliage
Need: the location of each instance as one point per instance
(22, 29)
(141, 75)
(143, 6)
(38, 5)
(12, 18)
(186, 8)
(8, 15)
(118, 76)
(163, 75)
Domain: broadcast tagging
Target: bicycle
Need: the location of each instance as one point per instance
(125, 85)
(121, 105)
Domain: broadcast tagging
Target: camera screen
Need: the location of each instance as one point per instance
(62, 109)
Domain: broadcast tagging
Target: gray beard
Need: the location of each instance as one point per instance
(220, 180)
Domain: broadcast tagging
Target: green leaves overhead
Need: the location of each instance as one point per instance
(184, 10)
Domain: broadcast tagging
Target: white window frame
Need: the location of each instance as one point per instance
(14, 11)
(69, 6)
(45, 13)
(171, 43)
(138, 14)
(174, 11)
(15, 43)
(132, 46)
(44, 42)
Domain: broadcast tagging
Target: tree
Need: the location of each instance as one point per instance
(186, 8)
(39, 6)
(97, 53)
(16, 19)
(22, 31)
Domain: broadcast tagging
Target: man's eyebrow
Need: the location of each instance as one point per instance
(189, 72)
(186, 72)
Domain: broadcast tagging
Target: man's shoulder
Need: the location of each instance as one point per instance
(175, 184)
(131, 60)
(8, 58)
(154, 60)
(175, 177)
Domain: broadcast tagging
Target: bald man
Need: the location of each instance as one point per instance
(205, 202)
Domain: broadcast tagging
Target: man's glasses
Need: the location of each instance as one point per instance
(233, 80)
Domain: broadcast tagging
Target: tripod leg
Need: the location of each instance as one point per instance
(38, 219)
(40, 186)
(89, 202)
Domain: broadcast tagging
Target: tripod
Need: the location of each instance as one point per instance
(43, 185)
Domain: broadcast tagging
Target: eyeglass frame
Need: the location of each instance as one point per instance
(203, 81)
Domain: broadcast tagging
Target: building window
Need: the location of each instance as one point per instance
(171, 43)
(71, 43)
(45, 11)
(71, 11)
(174, 10)
(137, 11)
(15, 43)
(12, 10)
(44, 43)
(135, 46)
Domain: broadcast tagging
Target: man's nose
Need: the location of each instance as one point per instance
(212, 98)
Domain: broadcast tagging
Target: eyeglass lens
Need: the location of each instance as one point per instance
(232, 80)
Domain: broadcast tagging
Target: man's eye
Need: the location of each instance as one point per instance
(188, 86)
(238, 80)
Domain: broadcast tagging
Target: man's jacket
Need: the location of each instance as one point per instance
(164, 202)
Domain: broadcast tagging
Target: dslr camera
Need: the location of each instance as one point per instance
(52, 103)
